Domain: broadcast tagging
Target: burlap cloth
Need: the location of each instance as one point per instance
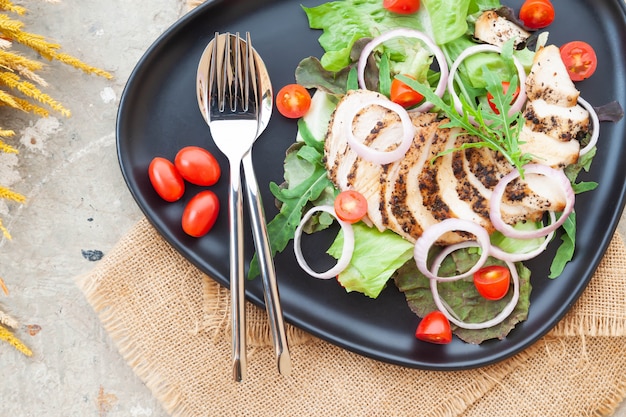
(171, 324)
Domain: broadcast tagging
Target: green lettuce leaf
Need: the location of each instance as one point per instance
(377, 255)
(448, 18)
(345, 22)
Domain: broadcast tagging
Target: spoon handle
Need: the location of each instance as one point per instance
(266, 266)
(237, 277)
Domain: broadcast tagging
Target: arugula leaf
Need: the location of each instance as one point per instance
(306, 183)
(565, 252)
(497, 132)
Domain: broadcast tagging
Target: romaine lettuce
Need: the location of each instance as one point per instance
(377, 255)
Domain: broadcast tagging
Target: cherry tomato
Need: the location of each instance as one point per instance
(579, 59)
(197, 165)
(434, 328)
(200, 213)
(492, 282)
(537, 14)
(166, 179)
(293, 101)
(505, 89)
(402, 6)
(350, 206)
(404, 95)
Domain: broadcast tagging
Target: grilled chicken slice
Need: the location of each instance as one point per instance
(522, 200)
(548, 150)
(496, 30)
(563, 123)
(424, 187)
(548, 79)
(380, 128)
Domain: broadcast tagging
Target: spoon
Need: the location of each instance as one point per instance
(259, 229)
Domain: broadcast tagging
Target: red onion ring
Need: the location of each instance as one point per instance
(430, 236)
(506, 311)
(407, 33)
(346, 253)
(375, 156)
(595, 128)
(498, 192)
(496, 252)
(521, 97)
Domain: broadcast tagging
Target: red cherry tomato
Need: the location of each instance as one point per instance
(293, 101)
(350, 206)
(402, 6)
(537, 14)
(505, 89)
(200, 213)
(492, 282)
(579, 59)
(404, 95)
(165, 179)
(197, 165)
(434, 328)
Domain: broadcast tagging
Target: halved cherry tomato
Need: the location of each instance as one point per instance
(434, 328)
(350, 206)
(402, 6)
(197, 165)
(492, 282)
(165, 179)
(293, 101)
(505, 89)
(580, 60)
(537, 14)
(200, 213)
(404, 95)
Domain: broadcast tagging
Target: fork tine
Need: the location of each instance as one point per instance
(251, 79)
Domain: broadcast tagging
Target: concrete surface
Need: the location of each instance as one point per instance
(77, 202)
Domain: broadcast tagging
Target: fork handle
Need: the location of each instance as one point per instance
(237, 278)
(266, 266)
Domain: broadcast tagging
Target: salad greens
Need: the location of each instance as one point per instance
(462, 298)
(347, 26)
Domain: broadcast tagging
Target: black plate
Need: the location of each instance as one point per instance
(159, 114)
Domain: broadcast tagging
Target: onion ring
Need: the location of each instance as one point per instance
(432, 233)
(373, 155)
(407, 33)
(595, 129)
(506, 311)
(498, 192)
(346, 253)
(472, 50)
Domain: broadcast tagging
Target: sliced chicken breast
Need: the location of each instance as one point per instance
(563, 123)
(548, 79)
(496, 30)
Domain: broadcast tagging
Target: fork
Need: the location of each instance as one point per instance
(233, 112)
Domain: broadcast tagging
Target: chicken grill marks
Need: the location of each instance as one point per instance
(421, 189)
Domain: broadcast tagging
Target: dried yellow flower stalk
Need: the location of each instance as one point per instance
(14, 81)
(17, 72)
(8, 336)
(10, 7)
(11, 195)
